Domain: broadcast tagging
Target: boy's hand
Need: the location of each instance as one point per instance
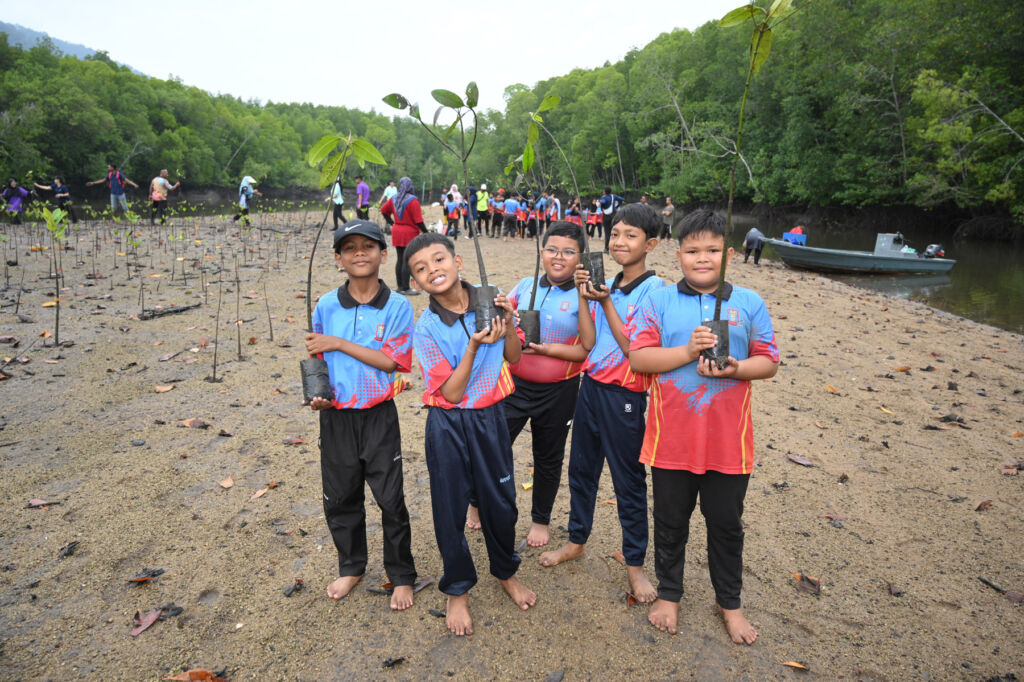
(491, 334)
(537, 349)
(501, 300)
(587, 289)
(318, 404)
(700, 339)
(708, 368)
(320, 343)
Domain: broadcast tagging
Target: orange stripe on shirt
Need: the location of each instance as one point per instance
(656, 426)
(744, 421)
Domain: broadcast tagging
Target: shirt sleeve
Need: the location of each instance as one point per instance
(762, 334)
(318, 321)
(388, 208)
(398, 335)
(434, 365)
(644, 327)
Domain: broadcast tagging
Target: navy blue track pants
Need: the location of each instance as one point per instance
(609, 425)
(469, 454)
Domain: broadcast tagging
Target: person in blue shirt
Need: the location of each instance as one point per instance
(246, 191)
(453, 211)
(610, 203)
(466, 375)
(62, 194)
(508, 225)
(364, 333)
(116, 181)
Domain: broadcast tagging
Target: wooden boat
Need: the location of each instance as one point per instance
(889, 257)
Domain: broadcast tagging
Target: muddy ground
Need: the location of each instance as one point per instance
(921, 508)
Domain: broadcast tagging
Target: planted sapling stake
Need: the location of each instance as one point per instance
(486, 310)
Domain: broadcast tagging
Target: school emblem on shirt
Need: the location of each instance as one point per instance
(734, 317)
(379, 336)
(564, 307)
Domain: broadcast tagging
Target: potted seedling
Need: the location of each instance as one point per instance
(316, 381)
(760, 46)
(486, 310)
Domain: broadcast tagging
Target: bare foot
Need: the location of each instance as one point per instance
(642, 588)
(401, 598)
(566, 552)
(539, 535)
(664, 615)
(473, 518)
(739, 628)
(342, 586)
(523, 597)
(457, 618)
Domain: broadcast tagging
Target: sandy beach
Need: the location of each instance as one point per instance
(907, 515)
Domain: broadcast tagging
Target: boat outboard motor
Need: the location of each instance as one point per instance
(935, 251)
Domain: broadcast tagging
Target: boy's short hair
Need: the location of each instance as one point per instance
(427, 239)
(700, 221)
(562, 228)
(450, 197)
(639, 215)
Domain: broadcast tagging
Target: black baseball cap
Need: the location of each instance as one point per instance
(363, 227)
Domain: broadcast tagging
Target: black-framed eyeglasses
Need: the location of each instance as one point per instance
(565, 253)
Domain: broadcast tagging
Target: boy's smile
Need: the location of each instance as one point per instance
(434, 269)
(629, 244)
(360, 256)
(559, 267)
(700, 259)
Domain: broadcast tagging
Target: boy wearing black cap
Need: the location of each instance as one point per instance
(365, 335)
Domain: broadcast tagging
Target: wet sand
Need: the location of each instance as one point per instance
(865, 382)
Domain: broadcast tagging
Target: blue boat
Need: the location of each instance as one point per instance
(890, 256)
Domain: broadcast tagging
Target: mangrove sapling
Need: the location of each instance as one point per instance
(486, 310)
(216, 332)
(316, 381)
(238, 311)
(55, 225)
(760, 46)
(266, 301)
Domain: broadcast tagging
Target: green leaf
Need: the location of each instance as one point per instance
(472, 94)
(397, 101)
(332, 168)
(528, 158)
(532, 133)
(778, 7)
(509, 167)
(451, 128)
(550, 102)
(322, 148)
(537, 118)
(759, 51)
(437, 114)
(447, 98)
(414, 111)
(737, 16)
(365, 151)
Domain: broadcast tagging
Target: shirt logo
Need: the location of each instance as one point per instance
(379, 336)
(734, 317)
(564, 307)
(629, 408)
(350, 227)
(505, 479)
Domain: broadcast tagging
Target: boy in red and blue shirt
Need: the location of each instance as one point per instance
(363, 332)
(468, 450)
(609, 420)
(699, 440)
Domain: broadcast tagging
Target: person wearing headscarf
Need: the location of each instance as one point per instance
(14, 197)
(245, 194)
(404, 214)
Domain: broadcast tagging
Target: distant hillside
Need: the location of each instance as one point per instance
(27, 38)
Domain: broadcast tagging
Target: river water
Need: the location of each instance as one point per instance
(985, 285)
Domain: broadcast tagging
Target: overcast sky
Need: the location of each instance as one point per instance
(352, 54)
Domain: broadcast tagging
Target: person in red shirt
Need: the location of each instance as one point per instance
(404, 214)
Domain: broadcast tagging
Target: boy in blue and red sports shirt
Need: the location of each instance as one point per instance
(468, 450)
(609, 418)
(547, 378)
(364, 334)
(699, 440)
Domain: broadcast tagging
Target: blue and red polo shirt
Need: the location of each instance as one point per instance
(384, 324)
(440, 340)
(700, 423)
(606, 362)
(559, 306)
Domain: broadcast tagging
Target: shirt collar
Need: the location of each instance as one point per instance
(628, 289)
(567, 285)
(378, 301)
(447, 316)
(685, 288)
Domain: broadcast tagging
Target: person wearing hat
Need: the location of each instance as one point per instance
(245, 194)
(364, 333)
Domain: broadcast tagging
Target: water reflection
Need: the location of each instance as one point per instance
(986, 284)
